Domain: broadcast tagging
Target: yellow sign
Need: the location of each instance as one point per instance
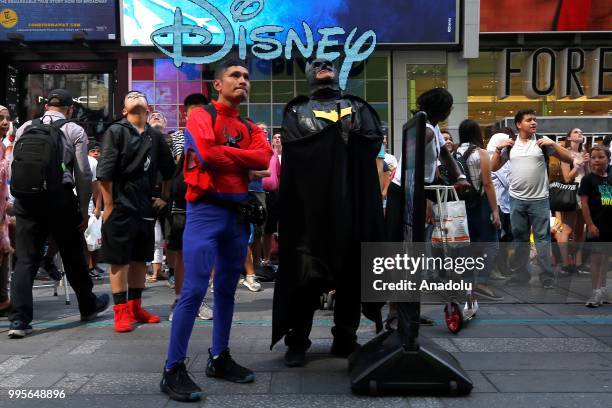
(8, 18)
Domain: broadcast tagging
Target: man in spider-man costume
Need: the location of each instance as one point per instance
(220, 149)
(330, 202)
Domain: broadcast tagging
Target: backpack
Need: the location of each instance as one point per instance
(38, 160)
(472, 195)
(544, 152)
(196, 176)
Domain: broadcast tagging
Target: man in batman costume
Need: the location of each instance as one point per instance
(330, 203)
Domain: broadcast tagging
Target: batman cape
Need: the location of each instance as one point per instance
(330, 202)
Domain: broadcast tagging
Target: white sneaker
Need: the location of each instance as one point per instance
(205, 312)
(604, 295)
(252, 284)
(595, 299)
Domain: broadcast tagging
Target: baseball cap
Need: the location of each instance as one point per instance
(93, 145)
(63, 98)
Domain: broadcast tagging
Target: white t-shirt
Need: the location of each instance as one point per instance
(432, 151)
(529, 176)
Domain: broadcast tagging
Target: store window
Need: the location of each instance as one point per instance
(421, 78)
(273, 84)
(487, 108)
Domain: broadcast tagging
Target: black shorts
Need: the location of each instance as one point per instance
(127, 238)
(175, 234)
(273, 209)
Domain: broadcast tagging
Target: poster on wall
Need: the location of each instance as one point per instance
(57, 20)
(526, 16)
(202, 21)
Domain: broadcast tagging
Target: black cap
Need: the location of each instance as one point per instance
(93, 145)
(63, 98)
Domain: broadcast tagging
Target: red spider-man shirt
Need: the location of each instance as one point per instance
(217, 160)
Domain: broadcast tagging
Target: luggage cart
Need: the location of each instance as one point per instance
(454, 316)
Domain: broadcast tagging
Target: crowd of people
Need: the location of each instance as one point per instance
(208, 201)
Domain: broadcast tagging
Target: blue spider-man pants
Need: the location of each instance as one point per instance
(212, 237)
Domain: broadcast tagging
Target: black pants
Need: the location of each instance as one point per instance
(35, 221)
(347, 315)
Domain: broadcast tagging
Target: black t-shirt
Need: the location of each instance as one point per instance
(599, 191)
(132, 162)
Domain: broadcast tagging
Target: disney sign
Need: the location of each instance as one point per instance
(265, 45)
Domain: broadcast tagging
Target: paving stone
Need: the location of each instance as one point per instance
(529, 400)
(15, 380)
(46, 380)
(91, 401)
(294, 401)
(446, 344)
(425, 402)
(533, 361)
(481, 383)
(551, 381)
(286, 383)
(88, 347)
(133, 383)
(212, 386)
(597, 330)
(572, 331)
(14, 363)
(109, 363)
(73, 381)
(325, 383)
(545, 345)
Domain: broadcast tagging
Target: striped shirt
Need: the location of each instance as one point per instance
(178, 143)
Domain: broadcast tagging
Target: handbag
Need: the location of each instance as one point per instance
(563, 196)
(450, 221)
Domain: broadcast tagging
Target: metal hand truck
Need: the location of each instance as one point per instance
(455, 317)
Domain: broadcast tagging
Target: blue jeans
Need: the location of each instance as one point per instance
(484, 235)
(526, 216)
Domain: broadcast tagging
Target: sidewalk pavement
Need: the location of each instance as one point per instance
(518, 354)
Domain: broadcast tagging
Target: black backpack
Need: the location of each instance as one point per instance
(38, 161)
(472, 195)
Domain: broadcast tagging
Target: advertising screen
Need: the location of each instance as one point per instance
(393, 21)
(526, 16)
(58, 20)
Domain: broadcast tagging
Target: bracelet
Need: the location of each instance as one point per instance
(461, 177)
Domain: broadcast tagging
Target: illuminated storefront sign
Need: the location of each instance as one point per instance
(546, 71)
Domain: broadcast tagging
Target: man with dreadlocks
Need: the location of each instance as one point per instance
(330, 203)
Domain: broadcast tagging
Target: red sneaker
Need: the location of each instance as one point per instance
(139, 314)
(123, 320)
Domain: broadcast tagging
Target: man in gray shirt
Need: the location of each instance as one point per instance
(60, 215)
(529, 207)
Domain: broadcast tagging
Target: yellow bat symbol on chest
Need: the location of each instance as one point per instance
(333, 115)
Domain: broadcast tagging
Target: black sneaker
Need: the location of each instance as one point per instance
(548, 283)
(295, 357)
(93, 274)
(179, 385)
(102, 302)
(19, 329)
(225, 367)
